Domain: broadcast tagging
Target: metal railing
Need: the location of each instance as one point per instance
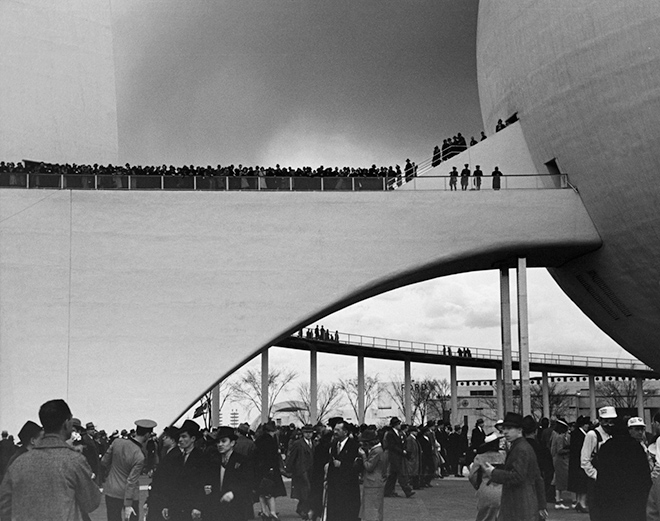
(269, 184)
(489, 354)
(487, 182)
(175, 182)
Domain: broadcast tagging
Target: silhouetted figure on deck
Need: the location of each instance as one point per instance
(496, 178)
(499, 125)
(477, 174)
(453, 178)
(465, 177)
(483, 135)
(436, 156)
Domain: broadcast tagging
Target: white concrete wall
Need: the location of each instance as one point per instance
(132, 304)
(583, 78)
(57, 85)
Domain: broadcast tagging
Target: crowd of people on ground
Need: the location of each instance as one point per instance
(339, 471)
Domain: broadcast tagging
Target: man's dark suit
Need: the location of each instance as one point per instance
(343, 482)
(163, 484)
(192, 474)
(238, 480)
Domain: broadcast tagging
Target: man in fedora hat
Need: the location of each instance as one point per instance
(29, 435)
(299, 463)
(343, 490)
(393, 444)
(123, 462)
(593, 441)
(229, 486)
(163, 482)
(523, 490)
(189, 499)
(374, 462)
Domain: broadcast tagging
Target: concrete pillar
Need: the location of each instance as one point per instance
(507, 363)
(499, 390)
(360, 389)
(546, 394)
(640, 397)
(264, 386)
(453, 385)
(592, 397)
(313, 388)
(523, 338)
(407, 384)
(215, 406)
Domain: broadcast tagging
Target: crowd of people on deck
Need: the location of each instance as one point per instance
(199, 171)
(339, 471)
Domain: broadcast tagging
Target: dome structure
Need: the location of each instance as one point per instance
(583, 79)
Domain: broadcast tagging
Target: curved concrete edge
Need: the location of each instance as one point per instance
(151, 297)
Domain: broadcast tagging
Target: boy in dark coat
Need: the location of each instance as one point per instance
(230, 486)
(523, 490)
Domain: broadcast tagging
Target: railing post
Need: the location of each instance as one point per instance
(162, 182)
(352, 184)
(194, 182)
(96, 182)
(27, 180)
(290, 184)
(61, 181)
(322, 185)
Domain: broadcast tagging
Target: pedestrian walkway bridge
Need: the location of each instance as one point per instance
(393, 349)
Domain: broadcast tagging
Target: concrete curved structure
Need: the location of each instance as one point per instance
(584, 79)
(96, 286)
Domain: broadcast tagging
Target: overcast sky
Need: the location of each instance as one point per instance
(346, 82)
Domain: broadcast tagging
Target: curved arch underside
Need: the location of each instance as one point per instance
(131, 304)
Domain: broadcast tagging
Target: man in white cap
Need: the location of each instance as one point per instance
(123, 461)
(589, 455)
(637, 431)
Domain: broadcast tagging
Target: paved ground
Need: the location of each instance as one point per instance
(450, 499)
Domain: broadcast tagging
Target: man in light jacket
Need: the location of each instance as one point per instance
(53, 481)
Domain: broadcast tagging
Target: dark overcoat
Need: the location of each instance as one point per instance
(523, 493)
(163, 483)
(191, 476)
(236, 479)
(267, 460)
(577, 479)
(343, 491)
(299, 464)
(624, 479)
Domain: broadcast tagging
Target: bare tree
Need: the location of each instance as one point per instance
(327, 398)
(426, 396)
(349, 387)
(247, 388)
(621, 394)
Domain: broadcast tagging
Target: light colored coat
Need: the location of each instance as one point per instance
(488, 494)
(373, 484)
(124, 460)
(52, 482)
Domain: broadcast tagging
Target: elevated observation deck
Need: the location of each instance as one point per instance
(425, 352)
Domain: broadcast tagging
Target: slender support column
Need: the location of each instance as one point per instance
(313, 388)
(523, 338)
(264, 386)
(592, 397)
(507, 364)
(546, 394)
(407, 384)
(640, 397)
(499, 390)
(215, 406)
(453, 385)
(360, 390)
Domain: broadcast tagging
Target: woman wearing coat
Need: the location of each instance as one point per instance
(577, 479)
(374, 475)
(267, 461)
(489, 494)
(560, 448)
